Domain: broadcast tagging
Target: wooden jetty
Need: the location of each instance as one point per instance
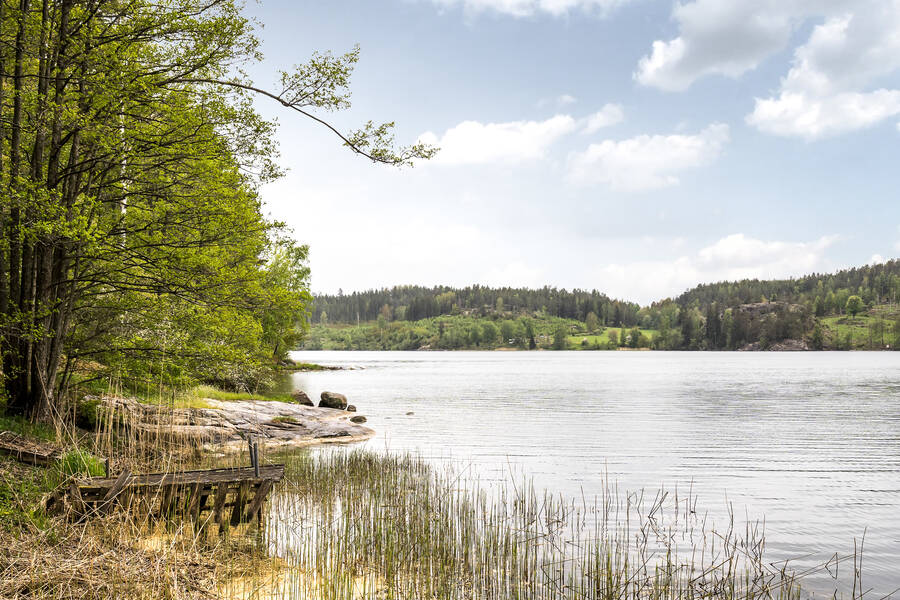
(27, 450)
(223, 496)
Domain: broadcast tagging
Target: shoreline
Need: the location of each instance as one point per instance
(224, 426)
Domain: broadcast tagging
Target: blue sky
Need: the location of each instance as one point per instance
(634, 146)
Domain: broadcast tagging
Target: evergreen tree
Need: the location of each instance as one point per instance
(560, 338)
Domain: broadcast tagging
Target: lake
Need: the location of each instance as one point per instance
(809, 442)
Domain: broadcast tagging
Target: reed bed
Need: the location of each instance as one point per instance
(356, 524)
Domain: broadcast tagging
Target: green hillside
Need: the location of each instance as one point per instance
(850, 309)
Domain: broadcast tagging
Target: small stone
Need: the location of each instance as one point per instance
(410, 413)
(351, 408)
(358, 419)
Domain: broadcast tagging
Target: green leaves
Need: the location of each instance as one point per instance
(323, 82)
(377, 143)
(132, 236)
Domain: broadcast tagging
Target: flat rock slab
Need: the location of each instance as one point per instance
(226, 425)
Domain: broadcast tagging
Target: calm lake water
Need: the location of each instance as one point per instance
(809, 442)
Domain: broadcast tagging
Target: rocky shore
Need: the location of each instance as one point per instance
(225, 426)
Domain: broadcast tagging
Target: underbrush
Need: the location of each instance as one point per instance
(23, 426)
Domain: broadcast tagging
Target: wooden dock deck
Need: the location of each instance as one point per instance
(223, 496)
(27, 450)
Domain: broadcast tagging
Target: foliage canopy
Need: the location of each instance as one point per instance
(132, 233)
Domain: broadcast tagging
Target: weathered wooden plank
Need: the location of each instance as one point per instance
(256, 504)
(209, 476)
(115, 490)
(75, 499)
(27, 450)
(240, 501)
(219, 505)
(193, 507)
(236, 495)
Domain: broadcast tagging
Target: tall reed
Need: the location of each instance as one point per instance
(356, 524)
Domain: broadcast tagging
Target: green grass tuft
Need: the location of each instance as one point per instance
(80, 463)
(206, 391)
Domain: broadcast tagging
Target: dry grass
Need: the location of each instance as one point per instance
(110, 558)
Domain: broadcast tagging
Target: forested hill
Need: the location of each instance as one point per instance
(873, 283)
(851, 309)
(412, 303)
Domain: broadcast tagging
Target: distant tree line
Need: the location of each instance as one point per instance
(413, 303)
(825, 293)
(819, 309)
(730, 315)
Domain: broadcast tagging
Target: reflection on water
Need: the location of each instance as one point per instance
(809, 441)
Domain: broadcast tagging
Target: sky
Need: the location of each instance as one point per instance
(637, 147)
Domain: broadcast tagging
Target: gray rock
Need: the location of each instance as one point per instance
(358, 419)
(300, 397)
(224, 425)
(333, 400)
(351, 408)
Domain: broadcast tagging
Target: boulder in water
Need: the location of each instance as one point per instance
(333, 400)
(358, 419)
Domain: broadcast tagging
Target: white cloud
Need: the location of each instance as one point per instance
(828, 89)
(723, 37)
(471, 142)
(811, 117)
(824, 94)
(560, 101)
(876, 259)
(647, 162)
(610, 114)
(733, 257)
(526, 8)
(743, 257)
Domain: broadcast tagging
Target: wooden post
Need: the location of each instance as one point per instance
(257, 502)
(193, 508)
(75, 497)
(219, 505)
(165, 501)
(240, 499)
(254, 455)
